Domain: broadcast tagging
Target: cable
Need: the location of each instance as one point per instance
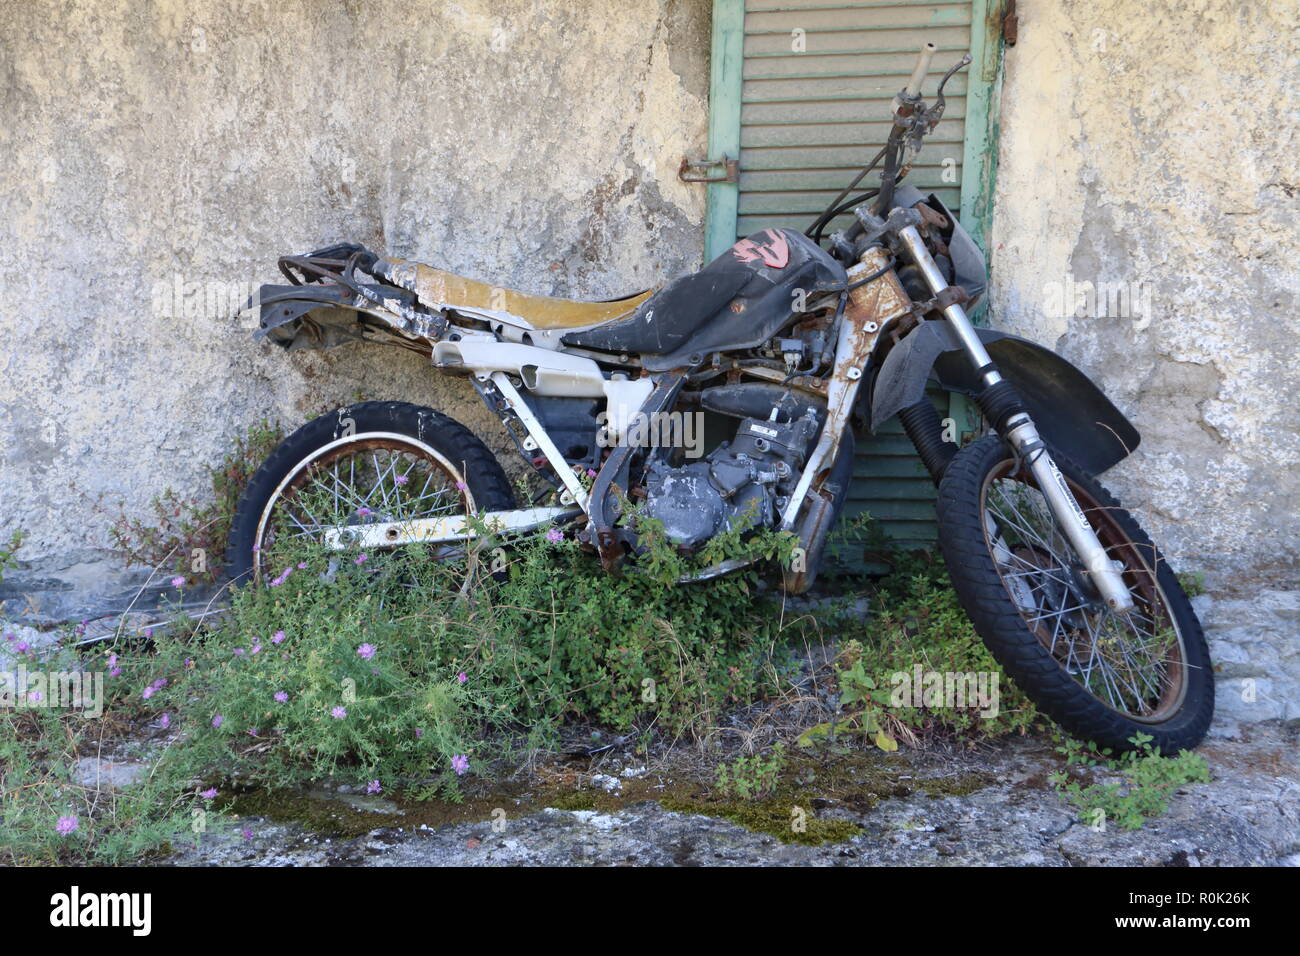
(815, 230)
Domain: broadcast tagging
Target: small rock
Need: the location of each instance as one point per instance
(108, 774)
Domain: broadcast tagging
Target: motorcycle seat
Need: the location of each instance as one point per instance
(438, 289)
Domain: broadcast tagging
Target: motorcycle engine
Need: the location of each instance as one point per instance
(744, 482)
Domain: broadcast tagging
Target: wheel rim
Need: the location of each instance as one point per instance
(1135, 664)
(356, 480)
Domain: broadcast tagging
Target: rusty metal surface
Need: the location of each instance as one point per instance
(870, 309)
(694, 170)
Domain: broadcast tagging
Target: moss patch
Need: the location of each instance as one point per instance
(856, 781)
(787, 820)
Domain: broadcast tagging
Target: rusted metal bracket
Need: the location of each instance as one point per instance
(695, 170)
(1010, 24)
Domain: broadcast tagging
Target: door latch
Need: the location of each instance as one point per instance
(696, 170)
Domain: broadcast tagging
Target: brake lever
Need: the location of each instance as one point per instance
(939, 101)
(926, 120)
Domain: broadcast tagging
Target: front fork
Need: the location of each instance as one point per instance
(1017, 428)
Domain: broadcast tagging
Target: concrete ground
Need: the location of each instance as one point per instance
(1249, 815)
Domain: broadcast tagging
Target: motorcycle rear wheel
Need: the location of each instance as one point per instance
(373, 461)
(1102, 676)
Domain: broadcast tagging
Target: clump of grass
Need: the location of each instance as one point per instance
(51, 812)
(1148, 781)
(915, 619)
(383, 669)
(8, 551)
(187, 536)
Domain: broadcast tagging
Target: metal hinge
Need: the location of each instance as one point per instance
(694, 170)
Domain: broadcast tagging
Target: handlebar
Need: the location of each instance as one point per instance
(912, 121)
(923, 59)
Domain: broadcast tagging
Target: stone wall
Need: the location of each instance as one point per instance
(159, 157)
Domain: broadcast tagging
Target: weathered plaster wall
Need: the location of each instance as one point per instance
(1154, 144)
(528, 142)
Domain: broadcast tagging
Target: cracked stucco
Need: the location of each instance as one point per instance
(1155, 143)
(533, 143)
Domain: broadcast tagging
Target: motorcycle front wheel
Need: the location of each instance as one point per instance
(1101, 675)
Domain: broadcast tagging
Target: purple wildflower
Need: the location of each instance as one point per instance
(209, 794)
(362, 558)
(418, 733)
(400, 479)
(165, 721)
(363, 512)
(374, 787)
(178, 582)
(366, 651)
(256, 649)
(252, 731)
(218, 720)
(302, 565)
(555, 536)
(148, 692)
(239, 652)
(22, 647)
(66, 825)
(246, 833)
(338, 713)
(461, 486)
(460, 763)
(35, 696)
(462, 677)
(281, 697)
(277, 637)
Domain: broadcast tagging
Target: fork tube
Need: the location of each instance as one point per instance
(1023, 436)
(955, 314)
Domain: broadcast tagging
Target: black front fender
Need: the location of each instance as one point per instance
(1071, 412)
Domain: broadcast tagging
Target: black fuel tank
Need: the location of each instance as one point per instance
(739, 300)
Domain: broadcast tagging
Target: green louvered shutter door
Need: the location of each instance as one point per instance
(802, 89)
(809, 120)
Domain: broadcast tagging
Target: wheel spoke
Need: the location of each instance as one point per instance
(380, 476)
(1124, 661)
